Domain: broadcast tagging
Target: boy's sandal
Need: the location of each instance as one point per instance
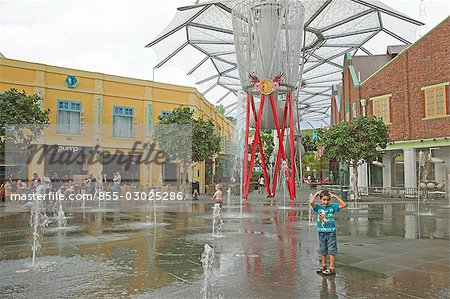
(329, 271)
(321, 269)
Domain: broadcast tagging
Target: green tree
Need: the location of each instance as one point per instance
(309, 160)
(19, 109)
(195, 134)
(206, 143)
(309, 144)
(268, 144)
(355, 142)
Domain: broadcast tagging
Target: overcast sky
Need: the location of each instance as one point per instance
(109, 36)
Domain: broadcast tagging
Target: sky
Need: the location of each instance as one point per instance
(110, 36)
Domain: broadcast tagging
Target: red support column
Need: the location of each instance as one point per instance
(280, 137)
(291, 135)
(261, 151)
(277, 163)
(247, 126)
(289, 180)
(277, 125)
(255, 141)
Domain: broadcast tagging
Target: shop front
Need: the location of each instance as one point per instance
(63, 161)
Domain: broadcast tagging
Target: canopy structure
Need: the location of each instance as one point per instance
(200, 40)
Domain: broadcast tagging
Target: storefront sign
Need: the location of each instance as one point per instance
(72, 149)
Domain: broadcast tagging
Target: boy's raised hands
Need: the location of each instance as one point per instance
(312, 200)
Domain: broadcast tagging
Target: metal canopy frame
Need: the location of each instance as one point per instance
(332, 29)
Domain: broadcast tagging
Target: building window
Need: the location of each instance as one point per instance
(123, 121)
(354, 110)
(381, 108)
(435, 101)
(398, 170)
(347, 110)
(69, 117)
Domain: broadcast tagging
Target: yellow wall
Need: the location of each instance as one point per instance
(17, 74)
(49, 81)
(7, 86)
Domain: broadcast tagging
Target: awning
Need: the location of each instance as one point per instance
(200, 40)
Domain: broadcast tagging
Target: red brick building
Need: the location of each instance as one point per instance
(409, 88)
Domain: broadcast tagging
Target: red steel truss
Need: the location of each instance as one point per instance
(289, 172)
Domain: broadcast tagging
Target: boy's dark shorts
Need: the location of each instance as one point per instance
(328, 243)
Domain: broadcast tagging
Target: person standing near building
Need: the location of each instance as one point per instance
(261, 184)
(8, 188)
(56, 183)
(35, 182)
(195, 193)
(40, 190)
(21, 187)
(326, 227)
(3, 192)
(117, 180)
(47, 183)
(88, 184)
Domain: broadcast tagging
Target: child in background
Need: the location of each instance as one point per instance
(117, 180)
(217, 197)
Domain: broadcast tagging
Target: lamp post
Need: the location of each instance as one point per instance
(363, 105)
(434, 159)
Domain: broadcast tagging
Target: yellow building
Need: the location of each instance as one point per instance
(91, 109)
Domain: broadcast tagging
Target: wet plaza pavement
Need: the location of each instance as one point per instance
(387, 249)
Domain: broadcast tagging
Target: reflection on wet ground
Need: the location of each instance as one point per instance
(385, 250)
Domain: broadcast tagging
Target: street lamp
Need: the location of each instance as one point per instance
(363, 105)
(377, 163)
(434, 159)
